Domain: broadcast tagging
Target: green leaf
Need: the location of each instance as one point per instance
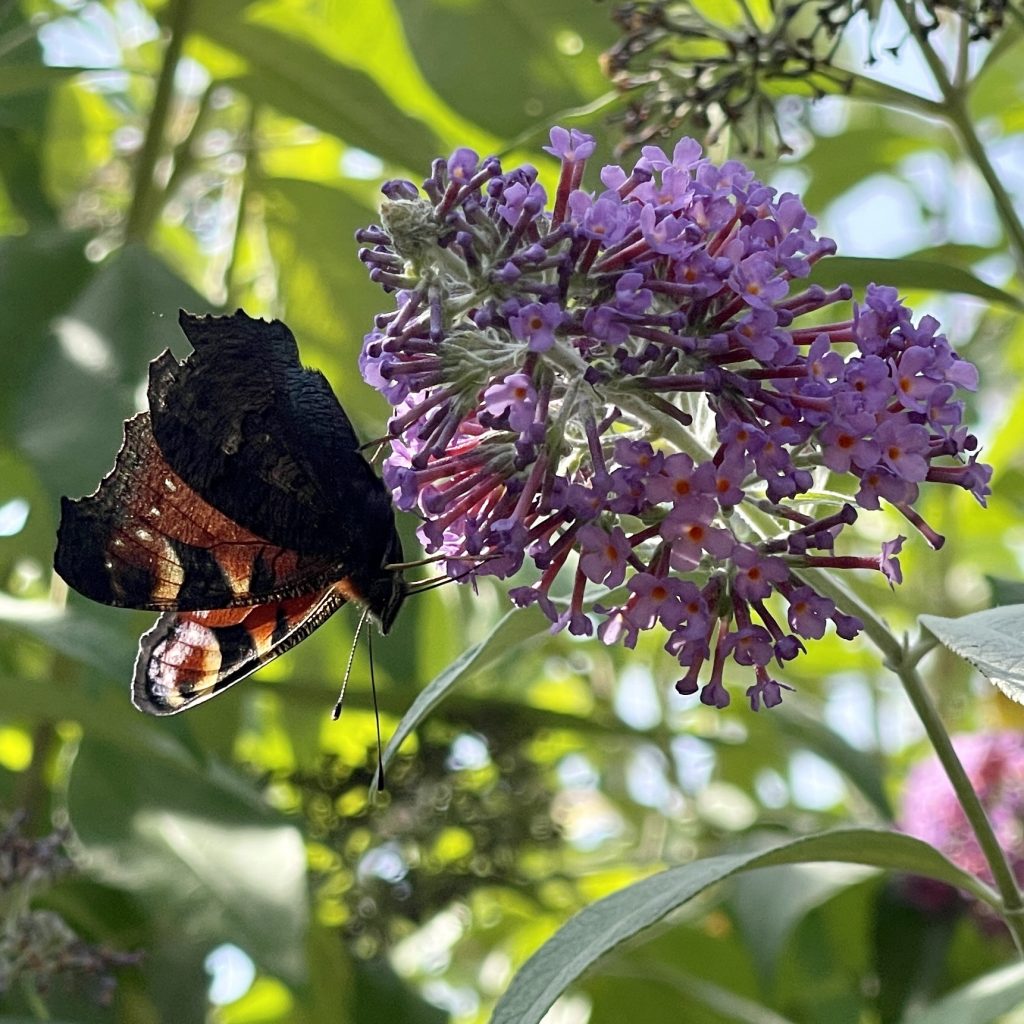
(959, 253)
(327, 996)
(330, 302)
(638, 993)
(303, 82)
(197, 847)
(512, 630)
(40, 273)
(82, 638)
(862, 769)
(88, 681)
(86, 380)
(860, 271)
(991, 640)
(604, 925)
(16, 79)
(979, 1002)
(381, 995)
(522, 41)
(830, 947)
(19, 484)
(839, 162)
(910, 951)
(768, 904)
(1005, 591)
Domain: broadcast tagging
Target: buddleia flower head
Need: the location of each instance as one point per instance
(628, 387)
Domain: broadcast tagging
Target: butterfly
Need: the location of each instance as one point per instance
(240, 507)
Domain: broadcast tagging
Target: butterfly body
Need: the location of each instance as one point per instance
(240, 507)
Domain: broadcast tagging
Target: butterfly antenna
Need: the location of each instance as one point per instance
(379, 442)
(429, 560)
(422, 586)
(376, 713)
(336, 714)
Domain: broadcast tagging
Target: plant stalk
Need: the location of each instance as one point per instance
(903, 660)
(1002, 874)
(954, 110)
(147, 196)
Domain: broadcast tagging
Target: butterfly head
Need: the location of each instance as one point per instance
(385, 591)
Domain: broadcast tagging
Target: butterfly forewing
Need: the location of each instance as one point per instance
(147, 540)
(266, 441)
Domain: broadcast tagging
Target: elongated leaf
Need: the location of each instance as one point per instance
(605, 924)
(863, 770)
(40, 274)
(305, 83)
(724, 1002)
(860, 271)
(1005, 591)
(992, 641)
(197, 847)
(983, 1000)
(768, 905)
(22, 78)
(910, 952)
(85, 379)
(513, 629)
(379, 995)
(82, 638)
(960, 253)
(491, 45)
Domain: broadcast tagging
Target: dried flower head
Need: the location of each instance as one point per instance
(38, 947)
(705, 67)
(627, 387)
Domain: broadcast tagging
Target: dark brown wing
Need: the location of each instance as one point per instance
(266, 441)
(145, 539)
(189, 657)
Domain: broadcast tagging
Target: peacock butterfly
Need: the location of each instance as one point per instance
(239, 507)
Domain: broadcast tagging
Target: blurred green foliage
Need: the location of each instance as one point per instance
(213, 155)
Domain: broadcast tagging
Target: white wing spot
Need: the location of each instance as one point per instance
(170, 484)
(143, 534)
(172, 574)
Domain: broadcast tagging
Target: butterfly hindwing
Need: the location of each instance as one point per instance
(147, 540)
(189, 657)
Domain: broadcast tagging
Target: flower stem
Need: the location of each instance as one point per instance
(1002, 874)
(147, 196)
(903, 658)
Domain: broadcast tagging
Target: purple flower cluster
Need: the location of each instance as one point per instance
(627, 390)
(994, 763)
